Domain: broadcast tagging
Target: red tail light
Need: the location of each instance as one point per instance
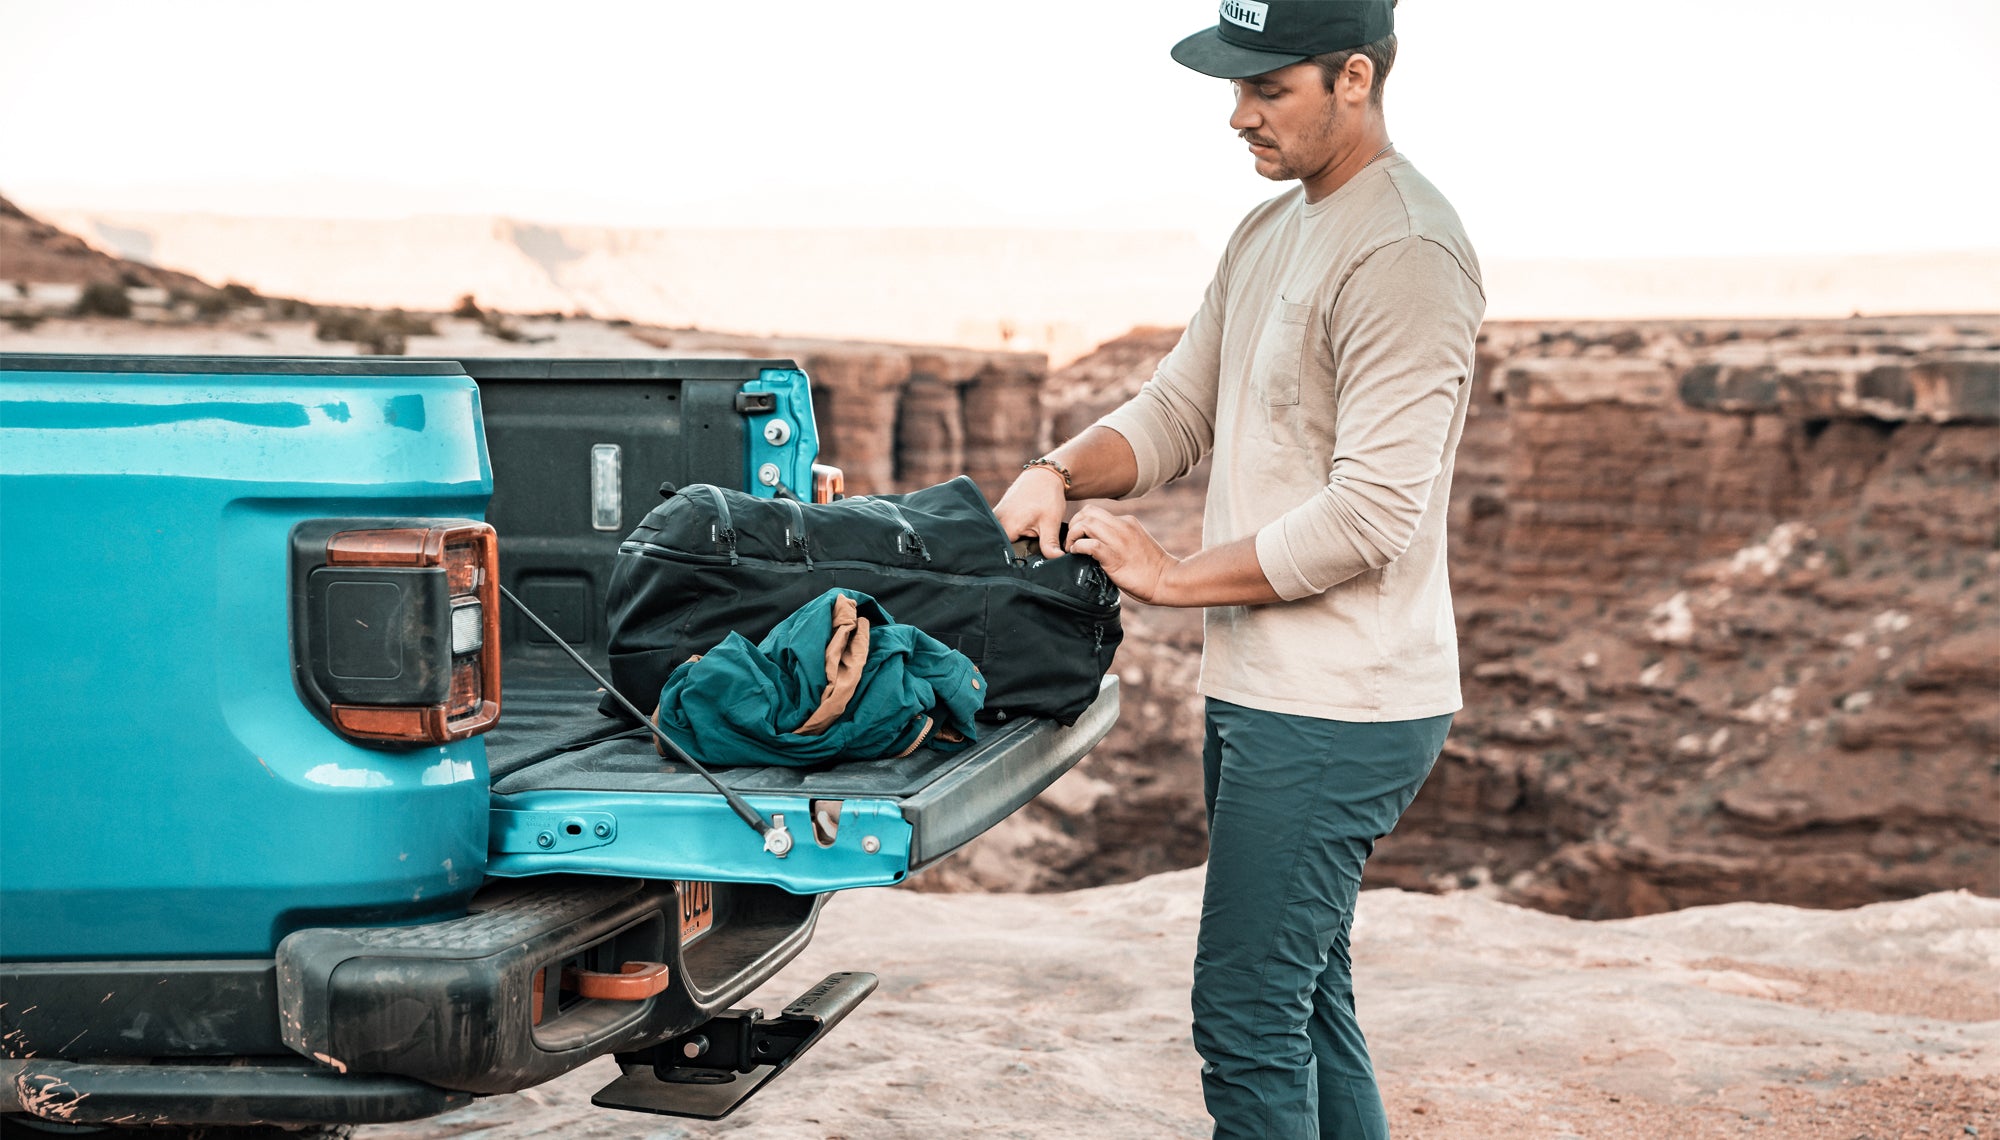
(396, 627)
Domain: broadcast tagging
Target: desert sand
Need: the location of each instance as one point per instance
(1044, 1016)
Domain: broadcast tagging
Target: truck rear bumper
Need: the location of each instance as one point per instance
(379, 1024)
(479, 1003)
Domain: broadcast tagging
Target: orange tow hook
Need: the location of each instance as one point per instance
(634, 981)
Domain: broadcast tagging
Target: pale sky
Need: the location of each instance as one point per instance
(1559, 128)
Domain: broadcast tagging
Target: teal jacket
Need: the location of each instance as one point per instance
(837, 680)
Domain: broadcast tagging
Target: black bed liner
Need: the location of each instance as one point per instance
(627, 762)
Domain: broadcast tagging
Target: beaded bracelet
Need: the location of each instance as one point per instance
(1052, 465)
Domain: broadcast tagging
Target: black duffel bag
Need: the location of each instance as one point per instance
(710, 560)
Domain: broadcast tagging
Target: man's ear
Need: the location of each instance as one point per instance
(1357, 76)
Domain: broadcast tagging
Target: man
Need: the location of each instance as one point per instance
(1327, 370)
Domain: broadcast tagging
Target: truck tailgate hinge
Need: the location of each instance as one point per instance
(550, 832)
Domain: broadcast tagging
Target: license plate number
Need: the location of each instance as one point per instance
(697, 908)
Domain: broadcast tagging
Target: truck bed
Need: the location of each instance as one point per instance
(577, 792)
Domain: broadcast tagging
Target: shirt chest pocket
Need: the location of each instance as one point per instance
(1281, 352)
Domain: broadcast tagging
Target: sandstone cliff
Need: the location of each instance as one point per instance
(1728, 602)
(1727, 609)
(895, 417)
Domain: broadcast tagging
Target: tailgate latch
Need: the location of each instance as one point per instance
(778, 840)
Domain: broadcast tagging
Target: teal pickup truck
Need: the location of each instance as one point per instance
(304, 822)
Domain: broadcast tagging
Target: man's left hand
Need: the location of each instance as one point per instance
(1136, 563)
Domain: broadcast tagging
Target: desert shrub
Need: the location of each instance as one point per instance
(468, 309)
(497, 326)
(375, 336)
(103, 299)
(211, 305)
(382, 342)
(406, 324)
(342, 324)
(23, 321)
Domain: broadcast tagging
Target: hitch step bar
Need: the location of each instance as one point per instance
(709, 1071)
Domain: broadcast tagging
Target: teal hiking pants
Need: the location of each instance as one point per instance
(1295, 805)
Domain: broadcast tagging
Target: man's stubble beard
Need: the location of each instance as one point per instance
(1319, 141)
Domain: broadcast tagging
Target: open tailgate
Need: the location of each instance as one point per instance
(599, 800)
(578, 448)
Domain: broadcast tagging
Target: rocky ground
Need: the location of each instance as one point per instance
(1043, 1016)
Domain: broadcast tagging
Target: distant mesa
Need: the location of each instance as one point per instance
(33, 251)
(1059, 292)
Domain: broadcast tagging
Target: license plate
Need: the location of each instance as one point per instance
(697, 908)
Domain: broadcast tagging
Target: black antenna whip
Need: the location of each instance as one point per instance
(736, 803)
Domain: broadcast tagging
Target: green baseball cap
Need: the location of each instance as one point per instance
(1252, 37)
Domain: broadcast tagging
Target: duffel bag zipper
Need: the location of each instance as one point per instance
(909, 542)
(1091, 576)
(798, 517)
(722, 533)
(1057, 597)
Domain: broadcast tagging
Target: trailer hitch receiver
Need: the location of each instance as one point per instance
(710, 1070)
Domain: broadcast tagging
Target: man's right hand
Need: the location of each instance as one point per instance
(1035, 505)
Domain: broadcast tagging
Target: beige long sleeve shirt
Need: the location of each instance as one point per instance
(1328, 369)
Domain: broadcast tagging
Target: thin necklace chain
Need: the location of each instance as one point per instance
(1378, 154)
